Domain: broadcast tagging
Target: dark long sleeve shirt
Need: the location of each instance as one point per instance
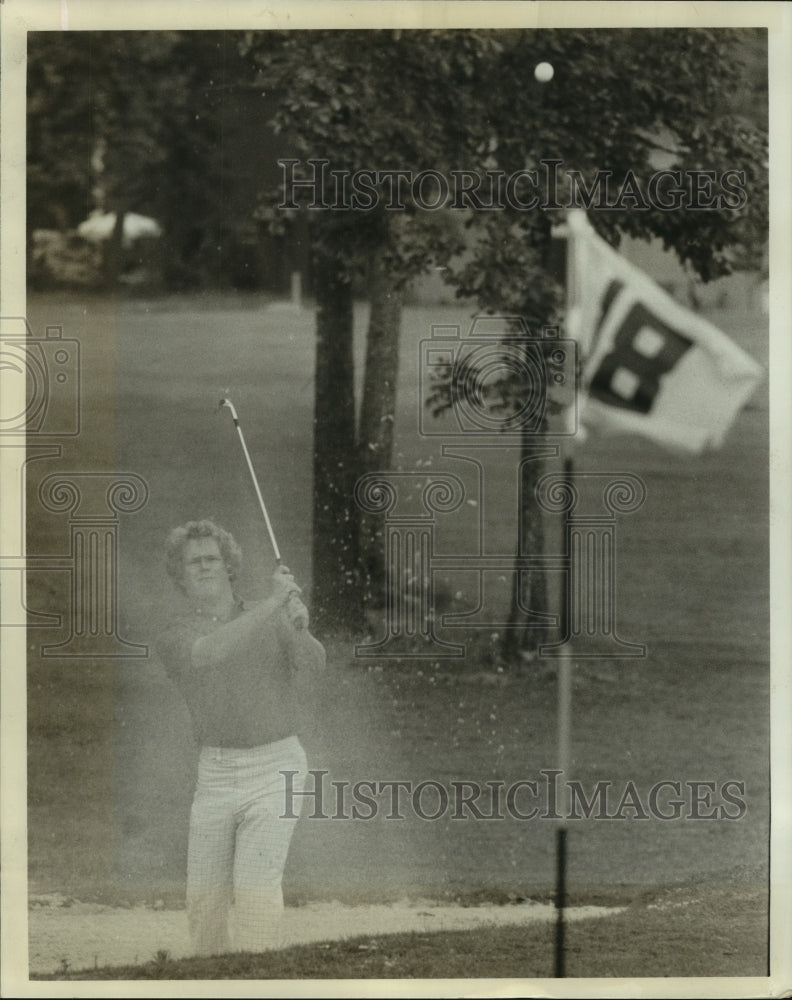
(251, 698)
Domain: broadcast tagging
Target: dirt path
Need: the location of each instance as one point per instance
(68, 934)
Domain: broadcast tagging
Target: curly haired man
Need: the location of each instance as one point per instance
(238, 665)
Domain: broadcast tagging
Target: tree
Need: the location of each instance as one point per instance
(106, 148)
(620, 101)
(59, 142)
(355, 101)
(468, 99)
(155, 123)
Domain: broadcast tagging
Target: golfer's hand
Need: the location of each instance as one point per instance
(297, 612)
(283, 585)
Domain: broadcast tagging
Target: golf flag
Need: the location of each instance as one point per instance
(650, 366)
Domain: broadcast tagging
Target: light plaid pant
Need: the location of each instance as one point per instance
(238, 845)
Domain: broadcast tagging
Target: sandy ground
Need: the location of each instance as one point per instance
(65, 933)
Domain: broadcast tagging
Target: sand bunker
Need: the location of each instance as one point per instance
(74, 935)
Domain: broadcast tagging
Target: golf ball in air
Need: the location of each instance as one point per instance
(544, 72)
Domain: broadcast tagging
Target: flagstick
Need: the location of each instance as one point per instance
(564, 708)
(564, 739)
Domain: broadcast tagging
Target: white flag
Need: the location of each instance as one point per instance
(650, 366)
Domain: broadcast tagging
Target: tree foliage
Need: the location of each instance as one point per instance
(141, 121)
(622, 101)
(341, 97)
(627, 102)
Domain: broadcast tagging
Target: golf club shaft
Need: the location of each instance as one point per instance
(230, 405)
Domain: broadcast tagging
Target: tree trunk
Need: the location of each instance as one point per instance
(377, 413)
(335, 599)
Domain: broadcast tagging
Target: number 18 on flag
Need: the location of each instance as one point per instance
(651, 366)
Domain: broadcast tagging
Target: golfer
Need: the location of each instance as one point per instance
(238, 666)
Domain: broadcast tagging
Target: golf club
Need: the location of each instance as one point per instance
(299, 622)
(230, 405)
